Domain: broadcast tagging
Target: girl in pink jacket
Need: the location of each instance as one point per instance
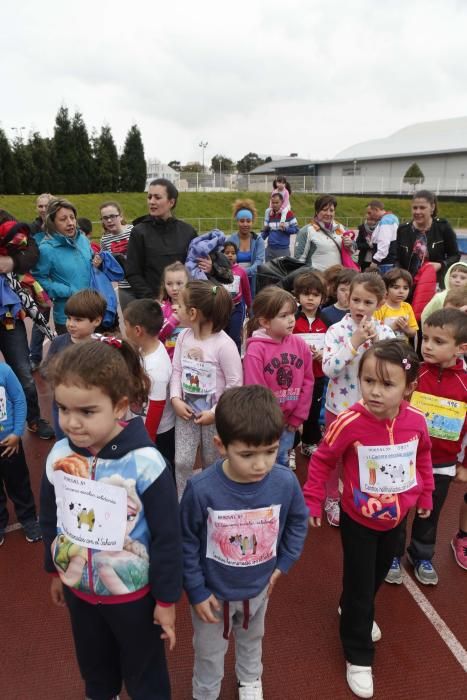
(280, 360)
(386, 453)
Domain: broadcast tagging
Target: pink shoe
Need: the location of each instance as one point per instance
(459, 547)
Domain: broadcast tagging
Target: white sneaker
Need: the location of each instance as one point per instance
(292, 460)
(250, 691)
(375, 630)
(333, 511)
(360, 680)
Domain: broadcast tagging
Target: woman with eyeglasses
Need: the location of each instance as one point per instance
(115, 240)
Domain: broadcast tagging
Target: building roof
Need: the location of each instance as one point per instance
(443, 135)
(275, 165)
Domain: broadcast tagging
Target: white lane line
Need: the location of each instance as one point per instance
(15, 526)
(451, 641)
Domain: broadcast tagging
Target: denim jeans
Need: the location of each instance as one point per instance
(15, 349)
(285, 445)
(235, 325)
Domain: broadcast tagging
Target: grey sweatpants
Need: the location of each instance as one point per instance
(188, 436)
(210, 647)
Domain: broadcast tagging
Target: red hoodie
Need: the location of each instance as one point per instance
(367, 497)
(285, 367)
(447, 383)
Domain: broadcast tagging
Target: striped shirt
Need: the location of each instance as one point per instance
(106, 244)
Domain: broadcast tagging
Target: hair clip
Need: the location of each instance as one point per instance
(107, 339)
(406, 363)
(214, 290)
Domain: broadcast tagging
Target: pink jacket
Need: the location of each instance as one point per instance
(355, 428)
(170, 329)
(285, 198)
(285, 367)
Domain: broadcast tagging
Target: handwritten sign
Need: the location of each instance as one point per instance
(387, 469)
(316, 340)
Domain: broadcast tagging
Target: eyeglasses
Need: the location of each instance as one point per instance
(110, 217)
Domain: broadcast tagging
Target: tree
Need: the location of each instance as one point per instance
(63, 155)
(22, 154)
(193, 167)
(220, 163)
(41, 157)
(106, 163)
(175, 165)
(133, 163)
(414, 175)
(9, 178)
(249, 162)
(82, 178)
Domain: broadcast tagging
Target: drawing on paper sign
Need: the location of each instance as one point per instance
(86, 518)
(387, 469)
(246, 544)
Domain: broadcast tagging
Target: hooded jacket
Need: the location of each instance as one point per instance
(448, 383)
(302, 325)
(356, 428)
(437, 302)
(155, 243)
(285, 367)
(151, 557)
(441, 246)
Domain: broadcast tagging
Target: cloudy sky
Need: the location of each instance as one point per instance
(306, 76)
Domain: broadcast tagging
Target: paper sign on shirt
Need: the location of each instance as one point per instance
(314, 339)
(3, 411)
(198, 384)
(234, 287)
(242, 538)
(387, 469)
(91, 513)
(444, 417)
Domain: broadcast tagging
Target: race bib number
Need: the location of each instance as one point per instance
(198, 384)
(444, 417)
(316, 340)
(90, 513)
(242, 538)
(3, 411)
(387, 469)
(234, 287)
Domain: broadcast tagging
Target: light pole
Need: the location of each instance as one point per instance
(220, 172)
(203, 146)
(354, 173)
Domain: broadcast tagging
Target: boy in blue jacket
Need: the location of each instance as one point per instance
(244, 523)
(14, 474)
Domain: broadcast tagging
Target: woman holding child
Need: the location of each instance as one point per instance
(250, 245)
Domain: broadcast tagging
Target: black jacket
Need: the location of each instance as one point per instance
(155, 243)
(442, 246)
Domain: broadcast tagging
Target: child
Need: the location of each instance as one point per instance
(282, 187)
(376, 438)
(310, 291)
(455, 278)
(85, 225)
(110, 522)
(280, 360)
(205, 363)
(278, 227)
(459, 541)
(84, 313)
(336, 311)
(174, 279)
(243, 523)
(143, 322)
(241, 293)
(396, 312)
(344, 344)
(456, 299)
(14, 474)
(441, 395)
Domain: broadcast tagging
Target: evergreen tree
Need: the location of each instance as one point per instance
(63, 156)
(40, 149)
(105, 161)
(414, 175)
(82, 177)
(9, 178)
(133, 163)
(22, 154)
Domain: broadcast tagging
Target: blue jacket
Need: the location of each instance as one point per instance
(63, 268)
(13, 411)
(257, 256)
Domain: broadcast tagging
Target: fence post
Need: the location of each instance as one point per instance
(324, 182)
(437, 187)
(197, 182)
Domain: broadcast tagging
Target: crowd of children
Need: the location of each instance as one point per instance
(330, 367)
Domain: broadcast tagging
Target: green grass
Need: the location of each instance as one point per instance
(216, 207)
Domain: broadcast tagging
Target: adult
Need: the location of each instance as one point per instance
(426, 239)
(278, 227)
(376, 240)
(115, 240)
(13, 338)
(65, 258)
(158, 240)
(38, 231)
(250, 245)
(319, 244)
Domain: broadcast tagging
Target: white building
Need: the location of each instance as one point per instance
(155, 169)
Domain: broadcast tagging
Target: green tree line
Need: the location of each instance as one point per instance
(72, 161)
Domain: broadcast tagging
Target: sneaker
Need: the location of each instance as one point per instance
(424, 571)
(42, 429)
(376, 633)
(2, 538)
(333, 511)
(360, 680)
(459, 547)
(292, 460)
(394, 574)
(32, 531)
(250, 691)
(307, 450)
